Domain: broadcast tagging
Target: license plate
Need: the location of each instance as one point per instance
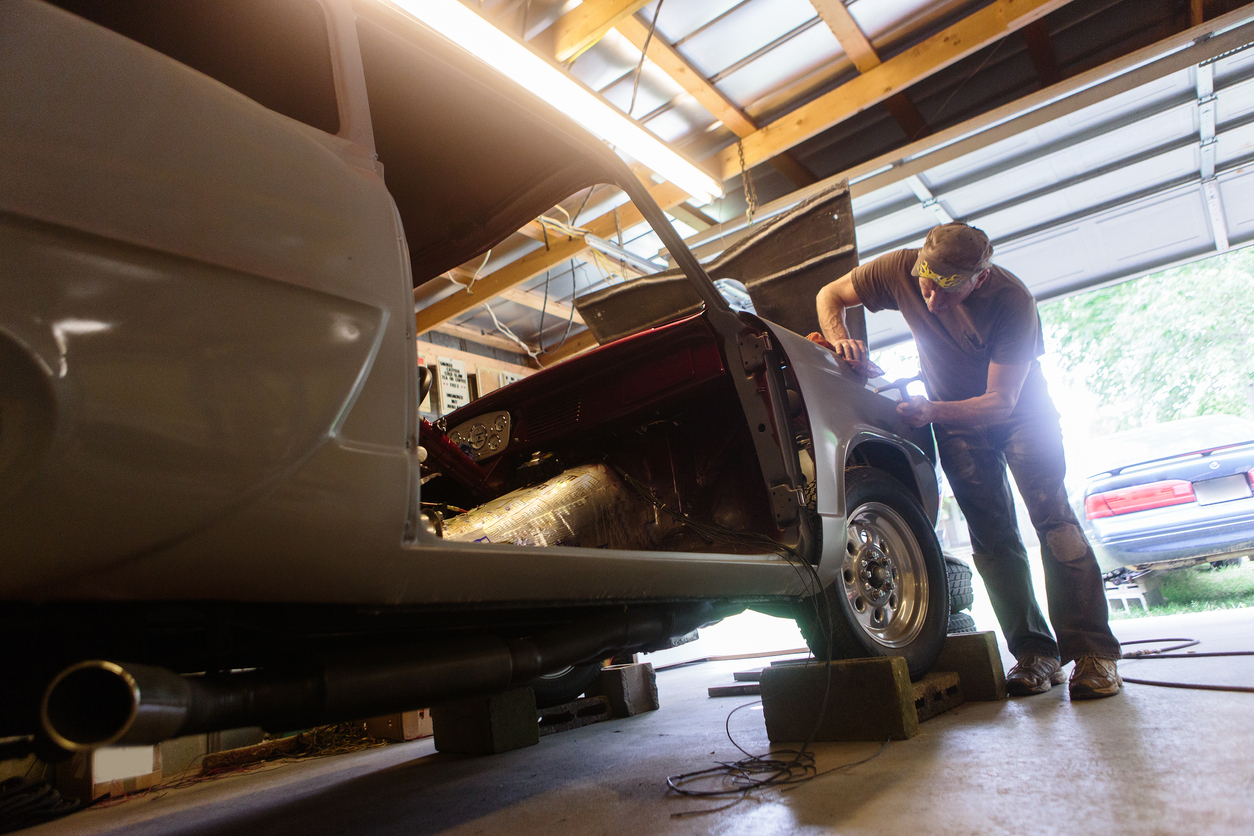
(1221, 490)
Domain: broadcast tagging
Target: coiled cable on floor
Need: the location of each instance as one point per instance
(1167, 653)
(25, 803)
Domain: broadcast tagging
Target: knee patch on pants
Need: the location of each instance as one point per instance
(1067, 543)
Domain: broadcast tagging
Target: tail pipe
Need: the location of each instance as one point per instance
(102, 703)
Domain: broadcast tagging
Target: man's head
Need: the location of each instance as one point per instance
(954, 261)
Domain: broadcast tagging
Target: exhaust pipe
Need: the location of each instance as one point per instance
(102, 703)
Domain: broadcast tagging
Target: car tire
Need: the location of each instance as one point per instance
(565, 685)
(961, 595)
(891, 596)
(961, 622)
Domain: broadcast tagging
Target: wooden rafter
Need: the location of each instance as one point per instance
(474, 335)
(533, 264)
(865, 57)
(968, 35)
(682, 72)
(848, 33)
(486, 287)
(1041, 51)
(576, 344)
(587, 23)
(558, 311)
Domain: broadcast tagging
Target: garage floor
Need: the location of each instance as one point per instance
(1152, 761)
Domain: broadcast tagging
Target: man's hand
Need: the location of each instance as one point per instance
(916, 410)
(852, 352)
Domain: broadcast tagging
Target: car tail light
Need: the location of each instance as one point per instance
(1138, 498)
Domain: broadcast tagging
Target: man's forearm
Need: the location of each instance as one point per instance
(831, 312)
(989, 408)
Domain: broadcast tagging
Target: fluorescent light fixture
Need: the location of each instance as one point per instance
(492, 46)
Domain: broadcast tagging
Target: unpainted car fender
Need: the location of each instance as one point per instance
(845, 414)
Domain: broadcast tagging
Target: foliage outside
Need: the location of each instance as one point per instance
(1172, 345)
(1201, 589)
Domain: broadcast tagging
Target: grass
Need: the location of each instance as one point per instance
(1201, 589)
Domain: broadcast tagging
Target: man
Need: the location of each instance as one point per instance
(979, 337)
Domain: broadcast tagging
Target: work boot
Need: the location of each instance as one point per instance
(1094, 678)
(1033, 674)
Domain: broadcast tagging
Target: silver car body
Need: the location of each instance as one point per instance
(217, 300)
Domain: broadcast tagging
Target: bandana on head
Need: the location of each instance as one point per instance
(946, 282)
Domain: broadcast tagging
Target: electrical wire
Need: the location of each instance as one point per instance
(1167, 653)
(945, 104)
(755, 772)
(24, 803)
(504, 329)
(635, 86)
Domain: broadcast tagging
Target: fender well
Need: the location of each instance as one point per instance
(892, 460)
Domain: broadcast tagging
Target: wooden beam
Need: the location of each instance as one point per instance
(587, 23)
(848, 33)
(1094, 85)
(908, 32)
(670, 61)
(532, 264)
(577, 344)
(1041, 51)
(1197, 12)
(665, 195)
(968, 35)
(686, 76)
(474, 335)
(695, 218)
(559, 311)
(864, 56)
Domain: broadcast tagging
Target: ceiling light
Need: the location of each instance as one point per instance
(492, 46)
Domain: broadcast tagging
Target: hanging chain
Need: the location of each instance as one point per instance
(751, 193)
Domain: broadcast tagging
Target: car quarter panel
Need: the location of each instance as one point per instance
(212, 291)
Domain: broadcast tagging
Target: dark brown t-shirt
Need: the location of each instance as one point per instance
(997, 323)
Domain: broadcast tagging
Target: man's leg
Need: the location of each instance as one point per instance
(1073, 581)
(977, 475)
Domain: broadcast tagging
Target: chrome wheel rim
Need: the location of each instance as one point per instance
(883, 576)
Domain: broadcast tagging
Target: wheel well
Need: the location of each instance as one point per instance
(889, 459)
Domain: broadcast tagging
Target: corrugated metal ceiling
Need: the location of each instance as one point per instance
(1109, 140)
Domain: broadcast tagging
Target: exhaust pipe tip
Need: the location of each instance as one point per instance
(89, 704)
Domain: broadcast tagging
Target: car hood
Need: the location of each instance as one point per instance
(468, 155)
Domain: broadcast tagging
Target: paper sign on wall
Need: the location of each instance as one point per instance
(454, 385)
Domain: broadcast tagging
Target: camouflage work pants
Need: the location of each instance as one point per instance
(976, 463)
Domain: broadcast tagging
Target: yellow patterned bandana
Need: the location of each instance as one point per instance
(946, 282)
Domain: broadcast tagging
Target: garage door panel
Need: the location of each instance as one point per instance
(1152, 231)
(1237, 192)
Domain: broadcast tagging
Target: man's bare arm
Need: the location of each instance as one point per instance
(1004, 385)
(831, 302)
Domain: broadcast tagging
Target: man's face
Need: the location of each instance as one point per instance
(939, 300)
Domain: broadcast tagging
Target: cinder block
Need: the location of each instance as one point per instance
(573, 715)
(977, 661)
(487, 725)
(936, 693)
(867, 699)
(631, 689)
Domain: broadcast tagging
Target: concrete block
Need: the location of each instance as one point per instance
(581, 712)
(977, 661)
(936, 693)
(867, 699)
(487, 725)
(631, 689)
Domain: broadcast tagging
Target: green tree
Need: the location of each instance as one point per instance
(1170, 345)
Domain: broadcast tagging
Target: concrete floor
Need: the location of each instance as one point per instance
(1151, 761)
